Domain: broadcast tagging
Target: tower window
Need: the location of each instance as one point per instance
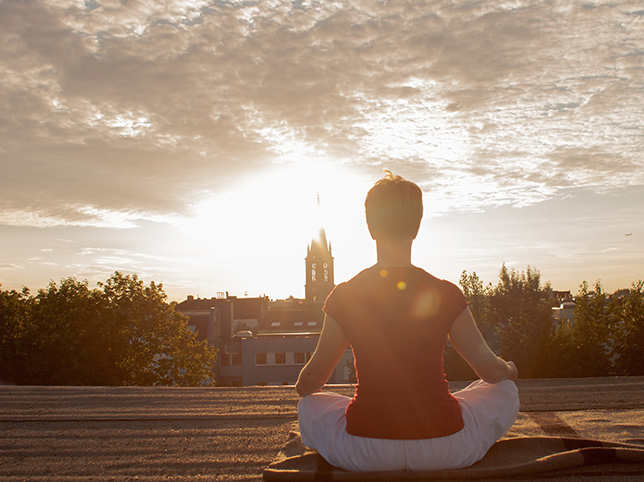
(280, 358)
(260, 359)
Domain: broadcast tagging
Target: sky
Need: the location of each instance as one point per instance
(188, 141)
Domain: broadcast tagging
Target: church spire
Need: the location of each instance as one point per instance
(319, 266)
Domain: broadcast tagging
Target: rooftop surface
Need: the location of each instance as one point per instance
(232, 434)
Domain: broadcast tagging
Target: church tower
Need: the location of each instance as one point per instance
(319, 269)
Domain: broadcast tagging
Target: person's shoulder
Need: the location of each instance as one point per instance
(345, 293)
(450, 294)
(344, 285)
(354, 285)
(440, 283)
(361, 277)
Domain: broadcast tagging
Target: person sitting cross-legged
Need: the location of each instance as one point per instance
(397, 318)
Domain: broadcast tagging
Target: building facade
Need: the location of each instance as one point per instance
(267, 342)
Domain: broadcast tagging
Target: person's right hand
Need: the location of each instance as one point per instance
(513, 372)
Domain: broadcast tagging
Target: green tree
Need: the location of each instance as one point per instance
(590, 334)
(63, 338)
(155, 346)
(15, 312)
(629, 332)
(519, 308)
(562, 355)
(477, 295)
(124, 333)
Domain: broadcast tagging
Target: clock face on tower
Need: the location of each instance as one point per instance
(319, 269)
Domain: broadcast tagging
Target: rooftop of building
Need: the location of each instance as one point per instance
(232, 434)
(292, 315)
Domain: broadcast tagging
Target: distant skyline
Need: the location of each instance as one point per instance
(187, 141)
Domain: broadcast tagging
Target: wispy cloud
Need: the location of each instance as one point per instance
(130, 115)
(9, 266)
(134, 107)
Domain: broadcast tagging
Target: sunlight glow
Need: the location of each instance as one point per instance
(265, 222)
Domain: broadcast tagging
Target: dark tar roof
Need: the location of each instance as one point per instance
(232, 434)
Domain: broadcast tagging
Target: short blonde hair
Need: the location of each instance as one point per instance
(394, 208)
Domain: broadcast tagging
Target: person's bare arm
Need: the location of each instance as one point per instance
(318, 370)
(468, 341)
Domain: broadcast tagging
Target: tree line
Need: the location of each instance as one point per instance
(122, 333)
(605, 338)
(126, 333)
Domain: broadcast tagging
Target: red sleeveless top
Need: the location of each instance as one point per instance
(397, 321)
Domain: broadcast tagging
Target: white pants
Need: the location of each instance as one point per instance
(488, 410)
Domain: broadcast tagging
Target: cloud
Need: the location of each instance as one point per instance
(9, 266)
(137, 109)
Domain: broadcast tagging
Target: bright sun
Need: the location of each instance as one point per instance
(259, 228)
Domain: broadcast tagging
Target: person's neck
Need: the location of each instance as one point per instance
(394, 253)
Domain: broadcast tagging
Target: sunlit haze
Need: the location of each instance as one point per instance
(189, 142)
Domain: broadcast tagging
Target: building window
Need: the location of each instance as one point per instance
(312, 323)
(224, 360)
(298, 323)
(280, 358)
(275, 323)
(237, 359)
(299, 358)
(260, 359)
(308, 355)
